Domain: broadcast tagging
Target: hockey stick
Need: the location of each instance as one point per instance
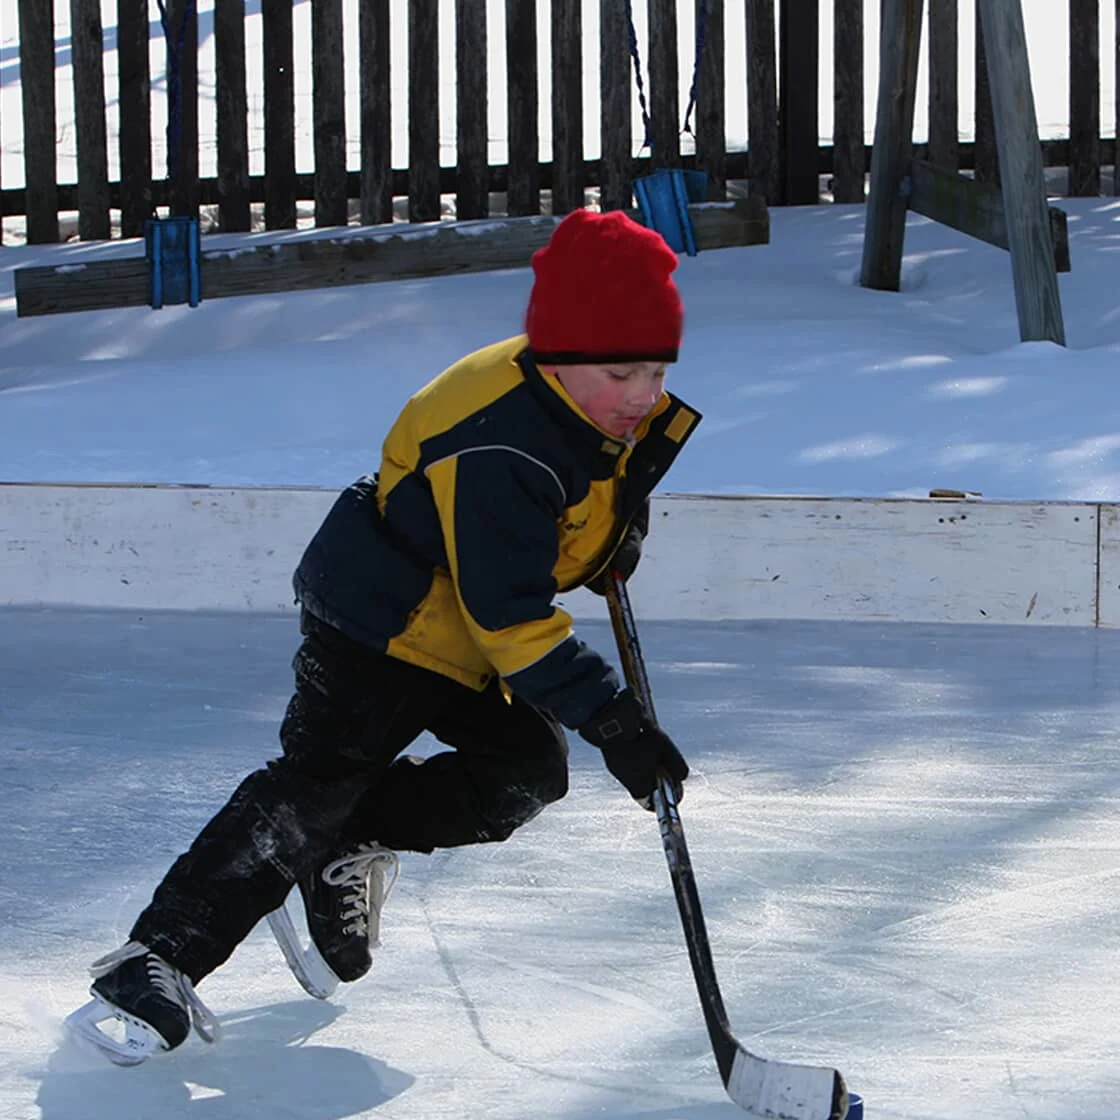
(766, 1087)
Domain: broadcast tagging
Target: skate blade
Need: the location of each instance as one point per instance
(139, 1043)
(306, 962)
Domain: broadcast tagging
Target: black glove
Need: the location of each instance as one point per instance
(634, 749)
(624, 560)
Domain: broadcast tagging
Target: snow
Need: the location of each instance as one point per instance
(906, 837)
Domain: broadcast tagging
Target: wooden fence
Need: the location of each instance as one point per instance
(783, 161)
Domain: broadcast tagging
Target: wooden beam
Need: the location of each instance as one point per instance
(396, 253)
(975, 208)
(1037, 298)
(899, 38)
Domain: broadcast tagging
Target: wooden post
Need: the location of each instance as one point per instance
(709, 113)
(762, 103)
(664, 79)
(89, 112)
(798, 129)
(1024, 188)
(234, 215)
(567, 107)
(615, 190)
(36, 47)
(135, 144)
(328, 111)
(423, 111)
(181, 40)
(944, 98)
(899, 40)
(847, 132)
(1084, 99)
(376, 175)
(279, 117)
(523, 191)
(472, 197)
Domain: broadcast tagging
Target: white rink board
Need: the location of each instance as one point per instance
(707, 558)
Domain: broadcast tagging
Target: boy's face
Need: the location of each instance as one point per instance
(617, 396)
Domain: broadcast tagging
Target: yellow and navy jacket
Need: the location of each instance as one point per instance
(495, 493)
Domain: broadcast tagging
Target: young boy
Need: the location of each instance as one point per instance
(427, 598)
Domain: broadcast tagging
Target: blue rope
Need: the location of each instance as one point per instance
(648, 142)
(174, 83)
(701, 36)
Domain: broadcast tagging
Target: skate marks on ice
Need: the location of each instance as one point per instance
(263, 1066)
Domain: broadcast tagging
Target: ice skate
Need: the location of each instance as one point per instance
(154, 1003)
(342, 904)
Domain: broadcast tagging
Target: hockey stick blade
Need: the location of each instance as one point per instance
(765, 1087)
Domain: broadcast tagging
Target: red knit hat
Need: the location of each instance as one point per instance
(603, 292)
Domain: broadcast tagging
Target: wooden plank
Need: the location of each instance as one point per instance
(762, 102)
(1084, 99)
(232, 116)
(396, 253)
(135, 143)
(279, 117)
(985, 158)
(615, 132)
(89, 120)
(567, 107)
(710, 113)
(523, 193)
(423, 111)
(36, 47)
(847, 135)
(1037, 299)
(328, 111)
(472, 197)
(975, 208)
(798, 84)
(944, 95)
(900, 36)
(664, 88)
(375, 95)
(181, 38)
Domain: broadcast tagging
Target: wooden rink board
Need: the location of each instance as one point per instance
(707, 558)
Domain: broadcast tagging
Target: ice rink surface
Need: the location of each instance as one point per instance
(906, 839)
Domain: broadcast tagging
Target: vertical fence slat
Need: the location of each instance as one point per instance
(944, 98)
(87, 50)
(762, 101)
(134, 94)
(521, 90)
(328, 112)
(615, 133)
(985, 157)
(472, 174)
(423, 111)
(847, 132)
(232, 116)
(181, 38)
(798, 83)
(279, 117)
(664, 85)
(376, 125)
(710, 113)
(1084, 98)
(1116, 108)
(567, 107)
(36, 46)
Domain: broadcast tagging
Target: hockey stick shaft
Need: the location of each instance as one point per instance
(762, 1086)
(672, 837)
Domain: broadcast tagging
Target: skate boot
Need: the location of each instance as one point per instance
(342, 904)
(154, 1002)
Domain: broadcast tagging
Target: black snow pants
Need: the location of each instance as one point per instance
(343, 779)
